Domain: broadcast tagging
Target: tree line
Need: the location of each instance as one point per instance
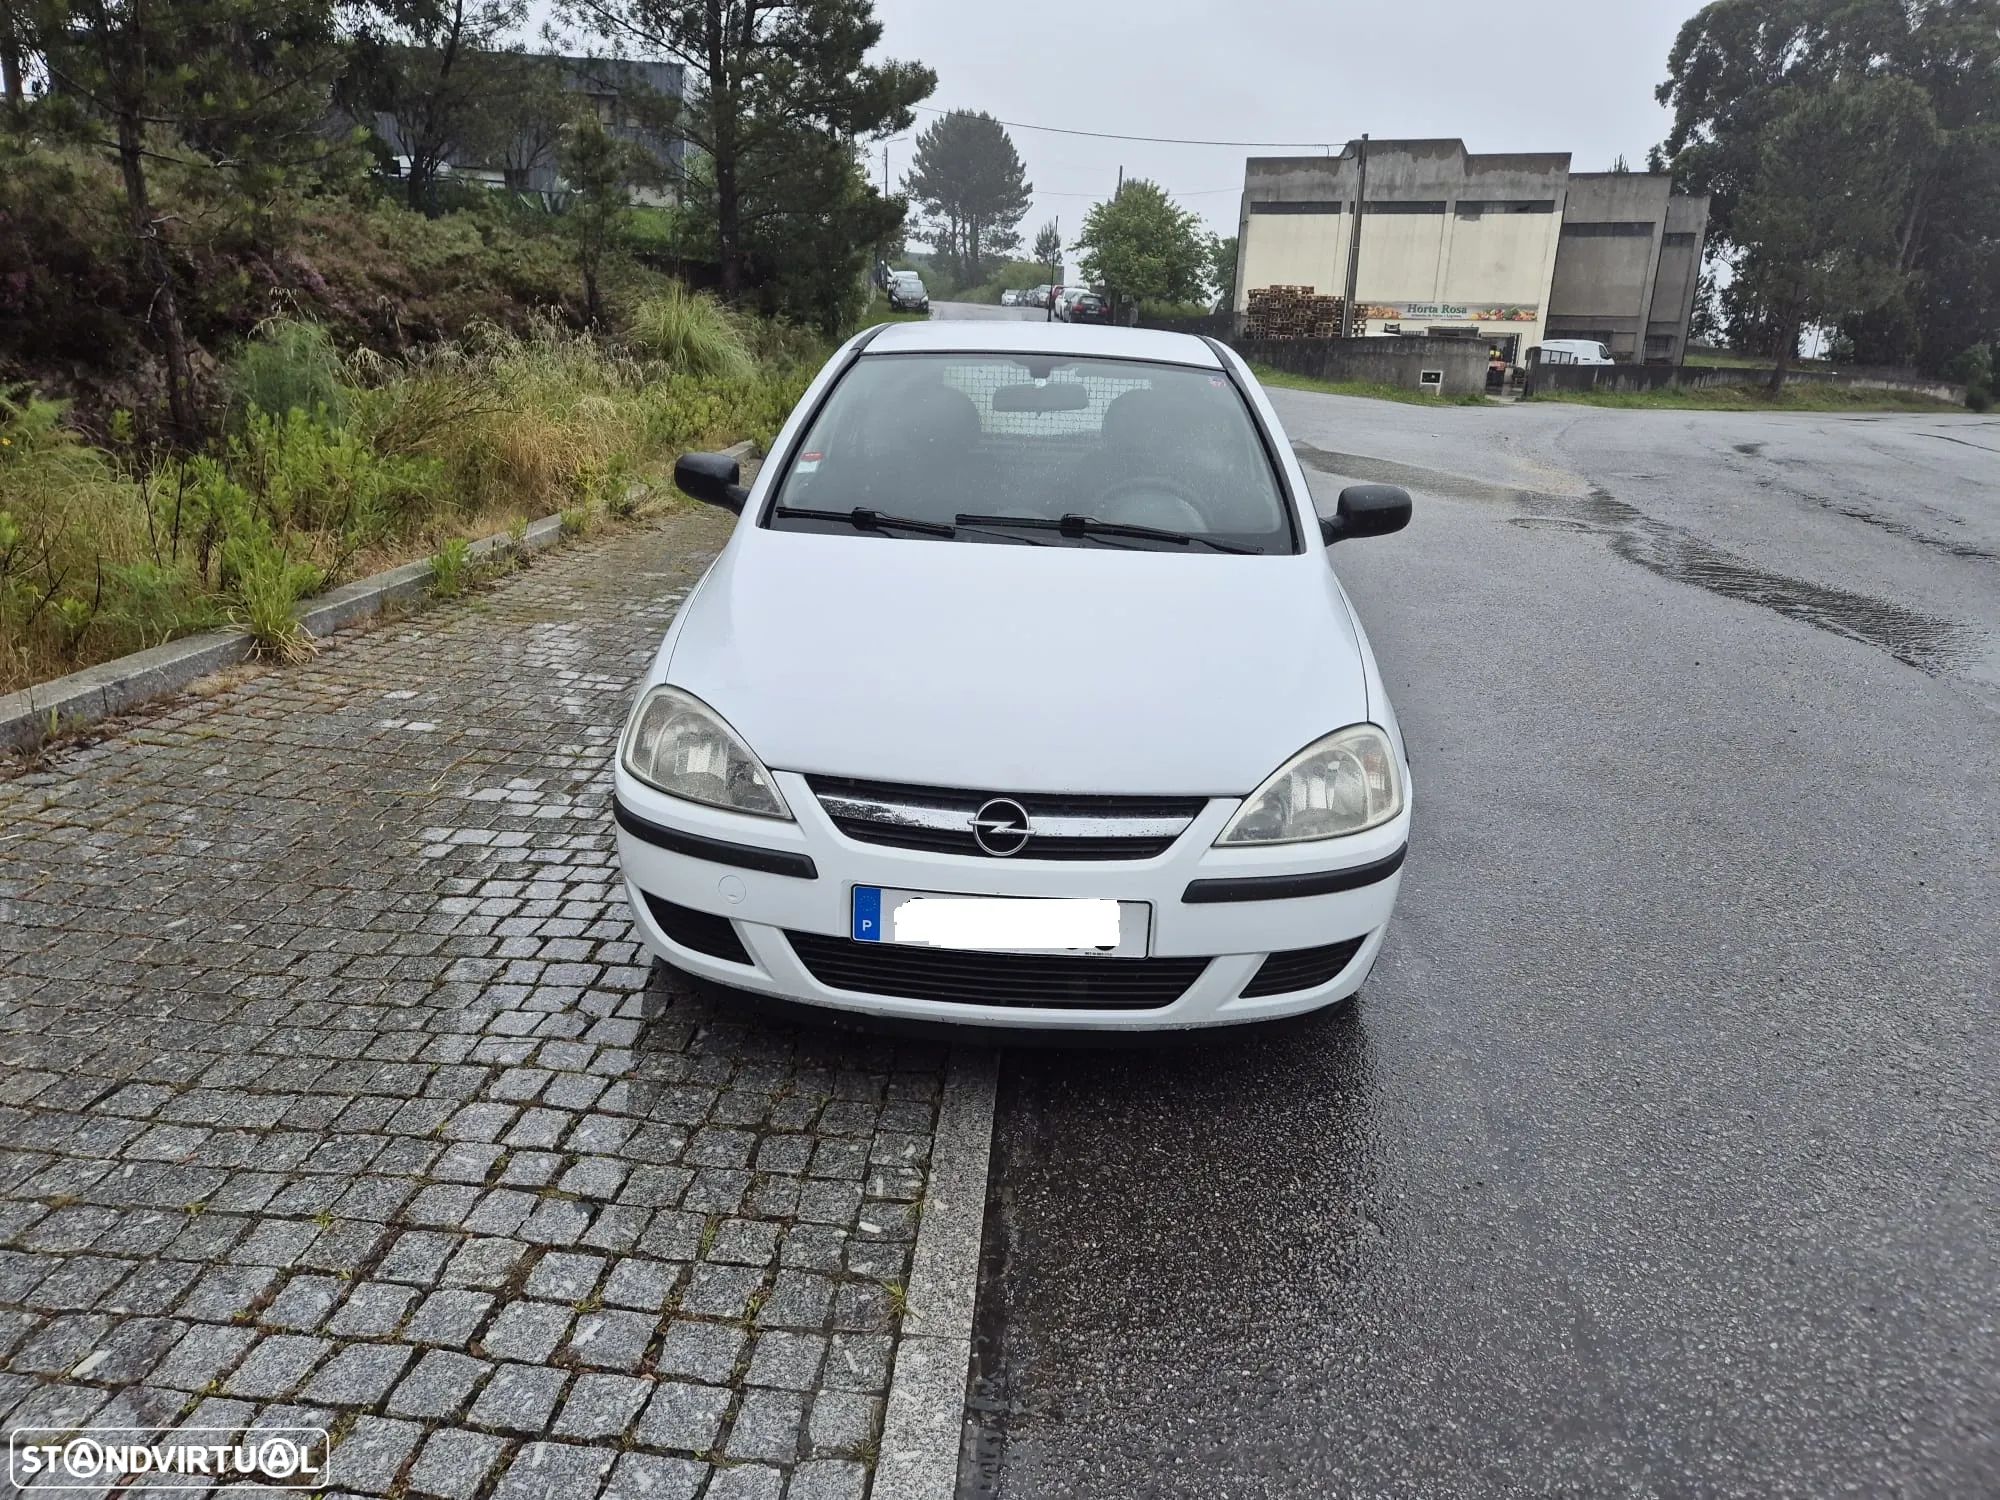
(1851, 149)
(971, 191)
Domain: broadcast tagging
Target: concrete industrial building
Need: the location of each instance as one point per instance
(1511, 248)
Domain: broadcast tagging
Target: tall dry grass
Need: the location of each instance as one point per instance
(334, 465)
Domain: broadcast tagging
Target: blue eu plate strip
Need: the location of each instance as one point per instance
(867, 914)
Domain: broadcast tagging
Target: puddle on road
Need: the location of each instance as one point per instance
(1923, 641)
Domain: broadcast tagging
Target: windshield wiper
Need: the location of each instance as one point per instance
(863, 519)
(1078, 525)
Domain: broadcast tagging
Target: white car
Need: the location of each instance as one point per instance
(1009, 298)
(887, 761)
(1574, 352)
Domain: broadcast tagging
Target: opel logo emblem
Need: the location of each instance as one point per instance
(1001, 827)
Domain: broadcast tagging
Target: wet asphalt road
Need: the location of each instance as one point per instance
(987, 312)
(1659, 1157)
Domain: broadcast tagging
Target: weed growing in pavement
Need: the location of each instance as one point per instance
(266, 587)
(449, 565)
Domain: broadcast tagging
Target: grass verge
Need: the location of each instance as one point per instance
(1805, 396)
(879, 311)
(1374, 390)
(109, 550)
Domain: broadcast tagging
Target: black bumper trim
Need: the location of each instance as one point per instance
(716, 851)
(1285, 887)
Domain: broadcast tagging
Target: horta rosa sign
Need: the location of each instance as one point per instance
(1452, 312)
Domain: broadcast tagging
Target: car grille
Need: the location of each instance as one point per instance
(1061, 825)
(699, 930)
(1301, 968)
(1046, 981)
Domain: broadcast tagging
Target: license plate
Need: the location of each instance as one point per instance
(1002, 924)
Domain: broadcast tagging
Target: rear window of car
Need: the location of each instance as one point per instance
(930, 437)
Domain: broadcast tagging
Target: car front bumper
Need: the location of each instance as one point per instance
(1232, 908)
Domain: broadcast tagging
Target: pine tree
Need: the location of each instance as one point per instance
(238, 85)
(779, 91)
(967, 176)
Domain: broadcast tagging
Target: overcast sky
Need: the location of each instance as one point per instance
(1503, 75)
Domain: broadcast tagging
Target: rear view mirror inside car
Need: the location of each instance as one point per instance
(1066, 395)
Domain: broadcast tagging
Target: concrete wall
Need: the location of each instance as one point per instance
(1499, 256)
(1467, 249)
(1626, 266)
(1293, 250)
(1497, 245)
(1390, 361)
(1402, 257)
(1682, 245)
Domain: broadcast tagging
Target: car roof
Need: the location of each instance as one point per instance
(1006, 336)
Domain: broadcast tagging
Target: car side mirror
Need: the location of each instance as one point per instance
(1366, 510)
(713, 478)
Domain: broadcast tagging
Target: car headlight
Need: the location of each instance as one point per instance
(680, 745)
(1342, 784)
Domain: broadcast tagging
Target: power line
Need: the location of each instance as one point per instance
(1170, 192)
(1108, 135)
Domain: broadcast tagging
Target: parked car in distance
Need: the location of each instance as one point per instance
(1009, 297)
(1066, 299)
(907, 293)
(1038, 296)
(1575, 352)
(1021, 695)
(1088, 307)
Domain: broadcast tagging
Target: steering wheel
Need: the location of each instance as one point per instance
(1151, 502)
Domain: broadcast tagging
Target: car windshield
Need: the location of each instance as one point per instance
(931, 437)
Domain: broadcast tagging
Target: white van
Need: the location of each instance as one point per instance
(1574, 352)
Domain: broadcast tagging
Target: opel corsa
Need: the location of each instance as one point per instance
(1023, 694)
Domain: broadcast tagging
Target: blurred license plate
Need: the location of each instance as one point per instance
(1002, 924)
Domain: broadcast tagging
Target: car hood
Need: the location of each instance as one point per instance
(1086, 669)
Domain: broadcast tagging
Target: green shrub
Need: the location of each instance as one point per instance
(266, 585)
(449, 566)
(304, 474)
(691, 334)
(574, 520)
(289, 365)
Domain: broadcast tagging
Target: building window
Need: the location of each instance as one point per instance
(1407, 206)
(1472, 208)
(1643, 231)
(1316, 206)
(1678, 240)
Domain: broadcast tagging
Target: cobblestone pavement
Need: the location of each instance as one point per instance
(337, 1093)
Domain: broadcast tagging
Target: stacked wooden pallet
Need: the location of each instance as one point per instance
(1293, 312)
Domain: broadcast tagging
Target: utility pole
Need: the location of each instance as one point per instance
(1348, 309)
(1121, 184)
